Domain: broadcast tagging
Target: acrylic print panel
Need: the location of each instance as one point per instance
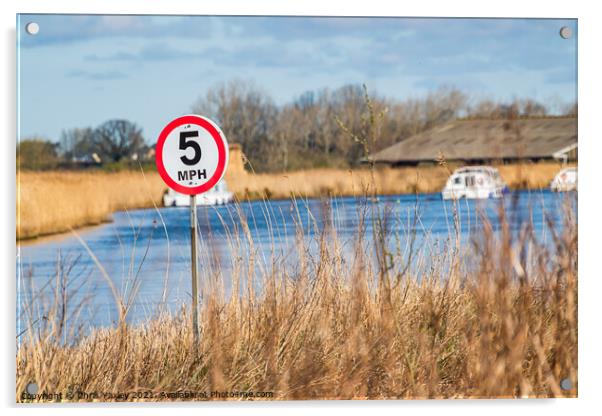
(397, 218)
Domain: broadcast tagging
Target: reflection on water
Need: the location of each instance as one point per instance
(146, 253)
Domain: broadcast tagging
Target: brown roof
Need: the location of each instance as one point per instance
(485, 139)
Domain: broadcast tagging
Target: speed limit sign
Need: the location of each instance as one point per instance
(191, 157)
(191, 154)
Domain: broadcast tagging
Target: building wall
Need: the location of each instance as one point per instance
(235, 163)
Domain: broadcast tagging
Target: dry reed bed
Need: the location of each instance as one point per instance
(53, 202)
(500, 321)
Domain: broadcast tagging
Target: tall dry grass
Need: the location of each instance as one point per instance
(495, 319)
(53, 202)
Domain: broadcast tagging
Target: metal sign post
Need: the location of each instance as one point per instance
(195, 279)
(191, 157)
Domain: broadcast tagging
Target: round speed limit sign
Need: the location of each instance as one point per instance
(191, 154)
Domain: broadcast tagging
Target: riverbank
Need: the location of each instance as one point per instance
(55, 202)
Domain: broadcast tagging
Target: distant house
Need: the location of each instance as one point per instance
(473, 141)
(83, 161)
(149, 153)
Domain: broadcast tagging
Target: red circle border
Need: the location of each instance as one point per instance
(217, 136)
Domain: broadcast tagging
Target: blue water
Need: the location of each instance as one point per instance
(146, 253)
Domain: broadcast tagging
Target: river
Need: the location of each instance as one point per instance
(149, 250)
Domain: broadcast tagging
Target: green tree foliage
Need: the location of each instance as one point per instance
(37, 154)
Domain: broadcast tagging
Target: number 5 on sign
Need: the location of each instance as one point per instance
(192, 154)
(195, 146)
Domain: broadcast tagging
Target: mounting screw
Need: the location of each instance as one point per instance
(566, 384)
(565, 32)
(32, 28)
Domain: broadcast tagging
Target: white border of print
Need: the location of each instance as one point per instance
(590, 149)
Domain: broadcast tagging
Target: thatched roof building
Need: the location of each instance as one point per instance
(481, 141)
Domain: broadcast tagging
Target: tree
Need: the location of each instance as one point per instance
(117, 139)
(37, 154)
(246, 115)
(77, 143)
(532, 108)
(570, 110)
(526, 107)
(485, 109)
(443, 105)
(304, 133)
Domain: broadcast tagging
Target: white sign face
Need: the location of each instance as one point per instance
(191, 154)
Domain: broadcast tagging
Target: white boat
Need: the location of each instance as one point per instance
(474, 182)
(218, 195)
(565, 180)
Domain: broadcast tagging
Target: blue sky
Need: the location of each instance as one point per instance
(81, 70)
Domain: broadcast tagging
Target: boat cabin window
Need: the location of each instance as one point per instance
(457, 180)
(470, 181)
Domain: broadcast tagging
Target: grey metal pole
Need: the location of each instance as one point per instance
(193, 258)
